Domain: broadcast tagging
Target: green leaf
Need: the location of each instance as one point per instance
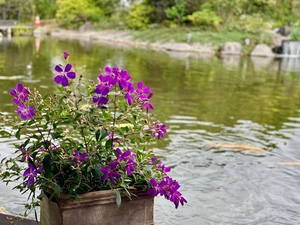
(118, 198)
(57, 190)
(97, 135)
(18, 134)
(4, 133)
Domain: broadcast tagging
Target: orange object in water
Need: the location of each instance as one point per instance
(37, 21)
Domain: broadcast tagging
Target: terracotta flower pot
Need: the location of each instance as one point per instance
(99, 207)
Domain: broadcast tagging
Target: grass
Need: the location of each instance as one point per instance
(216, 38)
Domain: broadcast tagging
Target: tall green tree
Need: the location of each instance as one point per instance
(45, 8)
(177, 12)
(108, 6)
(159, 15)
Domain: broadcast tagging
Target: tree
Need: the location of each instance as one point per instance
(26, 8)
(45, 8)
(139, 16)
(159, 15)
(73, 13)
(177, 12)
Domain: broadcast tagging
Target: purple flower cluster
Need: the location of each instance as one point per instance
(113, 77)
(124, 160)
(21, 95)
(158, 129)
(32, 171)
(169, 188)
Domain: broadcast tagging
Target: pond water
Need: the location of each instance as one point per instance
(233, 125)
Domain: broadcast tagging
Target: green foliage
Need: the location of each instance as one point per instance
(250, 24)
(295, 32)
(45, 8)
(205, 17)
(73, 13)
(108, 6)
(139, 16)
(177, 13)
(26, 8)
(159, 16)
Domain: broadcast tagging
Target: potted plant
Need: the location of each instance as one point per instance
(87, 145)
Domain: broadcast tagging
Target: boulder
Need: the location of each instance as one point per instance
(231, 48)
(284, 31)
(262, 50)
(276, 40)
(87, 26)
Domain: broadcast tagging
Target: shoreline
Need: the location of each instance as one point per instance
(123, 38)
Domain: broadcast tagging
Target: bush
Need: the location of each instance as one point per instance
(139, 16)
(74, 13)
(295, 32)
(206, 17)
(250, 24)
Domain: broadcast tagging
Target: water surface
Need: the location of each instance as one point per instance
(233, 125)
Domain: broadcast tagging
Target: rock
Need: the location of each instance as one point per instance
(231, 48)
(177, 47)
(284, 31)
(87, 26)
(262, 50)
(276, 40)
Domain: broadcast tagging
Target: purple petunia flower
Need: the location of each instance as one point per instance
(77, 158)
(64, 74)
(20, 94)
(24, 112)
(30, 173)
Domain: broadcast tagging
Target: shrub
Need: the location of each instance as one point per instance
(139, 16)
(206, 17)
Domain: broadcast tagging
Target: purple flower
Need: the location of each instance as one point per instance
(158, 130)
(24, 112)
(146, 103)
(100, 96)
(124, 80)
(110, 172)
(30, 173)
(177, 198)
(126, 158)
(20, 94)
(77, 158)
(64, 74)
(142, 91)
(26, 154)
(160, 165)
(66, 55)
(168, 188)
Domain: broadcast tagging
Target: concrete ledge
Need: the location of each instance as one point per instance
(11, 220)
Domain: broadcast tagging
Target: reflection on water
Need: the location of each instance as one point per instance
(233, 125)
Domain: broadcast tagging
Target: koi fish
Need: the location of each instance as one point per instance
(237, 147)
